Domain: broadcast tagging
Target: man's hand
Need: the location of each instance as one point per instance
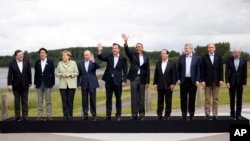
(123, 84)
(147, 85)
(172, 87)
(228, 85)
(92, 58)
(99, 47)
(220, 83)
(179, 82)
(125, 38)
(203, 84)
(9, 87)
(155, 87)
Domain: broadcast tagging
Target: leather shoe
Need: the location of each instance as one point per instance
(159, 118)
(85, 118)
(239, 118)
(108, 118)
(215, 118)
(118, 118)
(183, 118)
(191, 118)
(17, 118)
(25, 118)
(207, 118)
(167, 118)
(142, 118)
(94, 119)
(134, 118)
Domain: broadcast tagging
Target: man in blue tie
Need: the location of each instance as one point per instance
(87, 82)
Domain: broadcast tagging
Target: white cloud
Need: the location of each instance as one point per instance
(30, 24)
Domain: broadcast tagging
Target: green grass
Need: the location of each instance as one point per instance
(57, 104)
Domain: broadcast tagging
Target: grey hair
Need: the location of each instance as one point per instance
(189, 45)
(237, 49)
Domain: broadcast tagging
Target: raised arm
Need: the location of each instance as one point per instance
(100, 56)
(127, 51)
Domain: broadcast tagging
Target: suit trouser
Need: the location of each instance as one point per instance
(137, 97)
(214, 92)
(188, 95)
(86, 93)
(167, 94)
(21, 95)
(67, 102)
(41, 92)
(238, 92)
(117, 89)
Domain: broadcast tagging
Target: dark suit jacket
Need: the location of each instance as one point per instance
(88, 79)
(238, 77)
(135, 66)
(164, 80)
(211, 73)
(119, 73)
(18, 80)
(195, 69)
(47, 76)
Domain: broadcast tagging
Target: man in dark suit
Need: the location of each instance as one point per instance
(44, 80)
(19, 80)
(115, 77)
(139, 76)
(212, 79)
(164, 82)
(88, 83)
(236, 80)
(188, 76)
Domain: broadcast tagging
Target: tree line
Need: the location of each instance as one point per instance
(223, 48)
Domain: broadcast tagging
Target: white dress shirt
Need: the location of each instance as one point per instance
(141, 61)
(20, 65)
(188, 65)
(116, 60)
(86, 64)
(211, 57)
(43, 64)
(163, 66)
(236, 63)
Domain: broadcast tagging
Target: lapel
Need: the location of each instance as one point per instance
(208, 57)
(232, 64)
(112, 61)
(16, 66)
(240, 63)
(83, 65)
(165, 68)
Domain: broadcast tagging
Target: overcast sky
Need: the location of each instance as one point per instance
(158, 24)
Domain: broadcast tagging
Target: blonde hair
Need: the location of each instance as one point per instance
(68, 53)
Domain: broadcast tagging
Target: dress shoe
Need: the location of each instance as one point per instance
(25, 118)
(183, 118)
(85, 118)
(239, 118)
(215, 118)
(17, 118)
(159, 118)
(207, 117)
(134, 118)
(166, 118)
(191, 118)
(232, 117)
(118, 118)
(94, 119)
(108, 118)
(142, 118)
(39, 118)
